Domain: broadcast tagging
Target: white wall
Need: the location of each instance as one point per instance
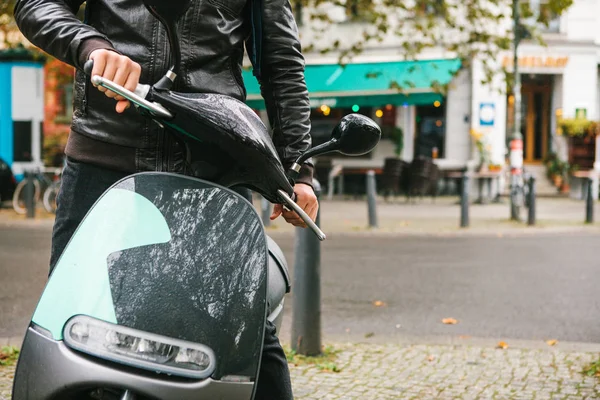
(408, 115)
(580, 85)
(28, 105)
(598, 92)
(491, 93)
(580, 22)
(558, 143)
(458, 118)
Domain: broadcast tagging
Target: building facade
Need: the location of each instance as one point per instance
(560, 80)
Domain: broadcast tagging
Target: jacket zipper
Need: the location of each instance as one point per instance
(86, 19)
(166, 150)
(84, 101)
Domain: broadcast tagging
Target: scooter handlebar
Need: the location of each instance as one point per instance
(138, 96)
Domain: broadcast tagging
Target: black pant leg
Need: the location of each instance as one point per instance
(81, 185)
(274, 381)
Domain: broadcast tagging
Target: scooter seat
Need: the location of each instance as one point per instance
(279, 279)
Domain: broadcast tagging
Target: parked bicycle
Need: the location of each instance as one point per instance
(45, 190)
(51, 192)
(519, 194)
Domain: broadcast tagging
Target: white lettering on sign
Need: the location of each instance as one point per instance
(323, 102)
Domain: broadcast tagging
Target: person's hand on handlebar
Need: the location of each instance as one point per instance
(306, 199)
(119, 69)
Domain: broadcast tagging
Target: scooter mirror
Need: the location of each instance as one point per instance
(169, 11)
(356, 135)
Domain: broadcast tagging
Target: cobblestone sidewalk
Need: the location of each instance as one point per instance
(386, 372)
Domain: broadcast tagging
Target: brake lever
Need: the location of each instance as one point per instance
(292, 204)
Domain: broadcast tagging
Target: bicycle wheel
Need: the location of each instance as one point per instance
(50, 198)
(19, 203)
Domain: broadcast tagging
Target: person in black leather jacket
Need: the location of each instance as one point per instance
(108, 140)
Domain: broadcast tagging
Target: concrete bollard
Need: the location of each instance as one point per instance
(531, 201)
(372, 199)
(589, 202)
(464, 202)
(29, 195)
(306, 313)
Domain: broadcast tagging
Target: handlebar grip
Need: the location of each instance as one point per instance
(88, 67)
(302, 214)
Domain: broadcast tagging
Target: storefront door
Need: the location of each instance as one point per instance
(535, 125)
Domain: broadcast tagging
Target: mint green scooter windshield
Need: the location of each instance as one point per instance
(170, 255)
(121, 219)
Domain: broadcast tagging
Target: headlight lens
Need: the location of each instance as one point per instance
(138, 348)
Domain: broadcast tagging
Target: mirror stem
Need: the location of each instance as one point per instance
(321, 149)
(328, 147)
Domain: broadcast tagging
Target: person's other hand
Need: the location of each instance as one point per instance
(119, 69)
(306, 199)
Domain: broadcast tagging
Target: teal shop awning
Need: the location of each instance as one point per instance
(369, 84)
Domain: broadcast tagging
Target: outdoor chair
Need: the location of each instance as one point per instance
(424, 175)
(390, 178)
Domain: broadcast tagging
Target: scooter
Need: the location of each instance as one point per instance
(164, 289)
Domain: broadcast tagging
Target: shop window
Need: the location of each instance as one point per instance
(432, 8)
(540, 11)
(431, 131)
(359, 10)
(22, 145)
(298, 8)
(549, 19)
(64, 98)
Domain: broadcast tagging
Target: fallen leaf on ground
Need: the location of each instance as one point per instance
(551, 342)
(502, 345)
(379, 303)
(450, 321)
(431, 358)
(370, 334)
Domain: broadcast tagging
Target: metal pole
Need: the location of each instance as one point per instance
(589, 203)
(372, 199)
(266, 211)
(516, 142)
(531, 216)
(29, 195)
(306, 313)
(464, 202)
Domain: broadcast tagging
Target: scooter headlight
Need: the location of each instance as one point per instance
(138, 348)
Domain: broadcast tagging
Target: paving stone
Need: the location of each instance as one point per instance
(404, 372)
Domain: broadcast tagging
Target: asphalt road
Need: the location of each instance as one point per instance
(532, 288)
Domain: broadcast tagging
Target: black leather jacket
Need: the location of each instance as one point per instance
(213, 34)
